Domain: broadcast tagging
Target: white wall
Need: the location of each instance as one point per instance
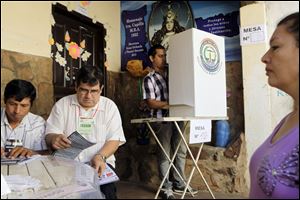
(281, 103)
(26, 26)
(264, 106)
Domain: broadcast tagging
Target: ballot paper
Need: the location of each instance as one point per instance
(19, 160)
(19, 183)
(78, 144)
(72, 191)
(108, 176)
(4, 187)
(8, 161)
(29, 159)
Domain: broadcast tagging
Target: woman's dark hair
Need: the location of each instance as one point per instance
(292, 23)
(19, 89)
(89, 74)
(152, 50)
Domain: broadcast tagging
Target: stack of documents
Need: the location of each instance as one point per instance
(19, 160)
(4, 187)
(7, 161)
(20, 183)
(108, 176)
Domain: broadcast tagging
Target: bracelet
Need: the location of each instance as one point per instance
(102, 157)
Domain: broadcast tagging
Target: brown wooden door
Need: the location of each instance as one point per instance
(80, 28)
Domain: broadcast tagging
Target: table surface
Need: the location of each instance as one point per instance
(171, 119)
(59, 178)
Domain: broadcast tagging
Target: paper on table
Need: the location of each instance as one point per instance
(20, 183)
(4, 187)
(78, 143)
(108, 176)
(85, 173)
(29, 159)
(68, 192)
(8, 161)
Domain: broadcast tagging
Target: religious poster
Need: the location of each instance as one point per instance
(145, 23)
(167, 19)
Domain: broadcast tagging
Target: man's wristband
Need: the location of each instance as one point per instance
(101, 156)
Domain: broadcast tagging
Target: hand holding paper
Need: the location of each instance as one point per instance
(108, 176)
(78, 143)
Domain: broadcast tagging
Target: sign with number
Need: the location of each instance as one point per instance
(200, 131)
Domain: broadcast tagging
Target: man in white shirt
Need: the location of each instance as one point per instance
(21, 130)
(95, 117)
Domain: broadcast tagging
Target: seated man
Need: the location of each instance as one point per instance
(18, 125)
(95, 117)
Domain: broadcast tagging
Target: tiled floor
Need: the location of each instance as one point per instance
(129, 190)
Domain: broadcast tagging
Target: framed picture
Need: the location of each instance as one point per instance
(168, 18)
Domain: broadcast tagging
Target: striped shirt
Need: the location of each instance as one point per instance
(31, 131)
(155, 87)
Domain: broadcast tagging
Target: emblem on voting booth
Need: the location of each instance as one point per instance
(209, 56)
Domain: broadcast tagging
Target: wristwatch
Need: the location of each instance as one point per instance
(102, 157)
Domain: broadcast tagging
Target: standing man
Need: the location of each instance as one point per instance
(155, 92)
(95, 117)
(18, 126)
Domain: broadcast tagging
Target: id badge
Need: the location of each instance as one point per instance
(12, 143)
(85, 126)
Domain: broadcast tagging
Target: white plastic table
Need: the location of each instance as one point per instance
(148, 121)
(59, 178)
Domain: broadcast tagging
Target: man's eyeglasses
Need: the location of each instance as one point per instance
(84, 91)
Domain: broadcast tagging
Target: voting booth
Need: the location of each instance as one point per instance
(197, 75)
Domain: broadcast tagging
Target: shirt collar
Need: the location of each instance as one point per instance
(25, 121)
(74, 101)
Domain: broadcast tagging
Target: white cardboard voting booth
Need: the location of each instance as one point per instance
(197, 78)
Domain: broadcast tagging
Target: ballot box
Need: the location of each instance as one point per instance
(197, 79)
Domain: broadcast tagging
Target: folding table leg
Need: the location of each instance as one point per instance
(170, 160)
(194, 163)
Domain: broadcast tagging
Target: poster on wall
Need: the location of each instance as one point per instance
(145, 23)
(134, 35)
(167, 19)
(222, 19)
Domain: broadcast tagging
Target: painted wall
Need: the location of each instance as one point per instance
(22, 31)
(281, 103)
(264, 106)
(25, 27)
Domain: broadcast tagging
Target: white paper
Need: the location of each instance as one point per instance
(65, 192)
(29, 159)
(4, 187)
(78, 144)
(19, 183)
(108, 176)
(200, 131)
(85, 173)
(253, 34)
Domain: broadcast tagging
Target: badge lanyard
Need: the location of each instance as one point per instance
(14, 132)
(85, 125)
